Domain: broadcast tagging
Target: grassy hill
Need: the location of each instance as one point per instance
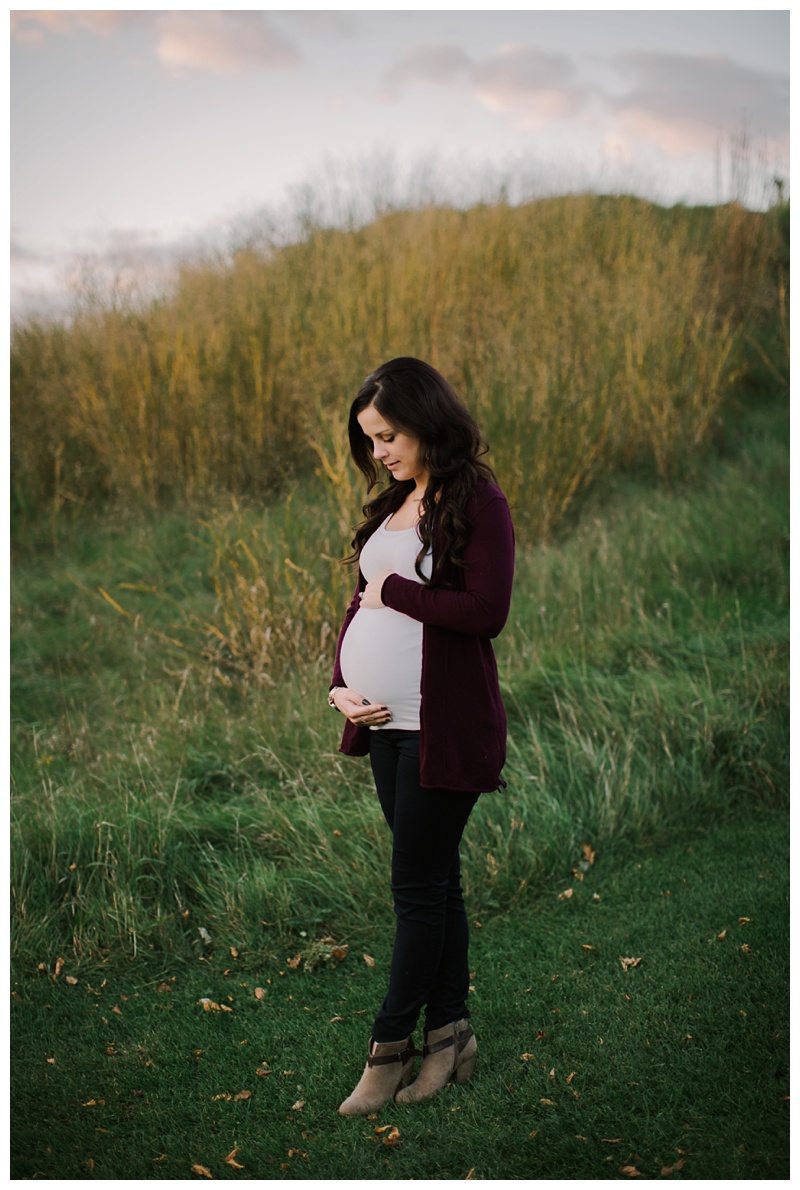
(182, 496)
(588, 334)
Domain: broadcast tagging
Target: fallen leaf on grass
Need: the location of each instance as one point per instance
(222, 1095)
(94, 1103)
(201, 1169)
(242, 1095)
(627, 964)
(231, 1159)
(585, 946)
(164, 987)
(234, 952)
(392, 1137)
(526, 1057)
(721, 937)
(668, 1170)
(565, 895)
(71, 980)
(51, 1061)
(631, 1171)
(571, 1077)
(117, 1010)
(613, 1140)
(549, 1102)
(588, 854)
(59, 967)
(210, 1005)
(469, 1176)
(746, 949)
(742, 922)
(260, 994)
(368, 959)
(299, 1105)
(334, 1019)
(295, 962)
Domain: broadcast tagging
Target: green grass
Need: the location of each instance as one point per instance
(175, 599)
(584, 1068)
(645, 668)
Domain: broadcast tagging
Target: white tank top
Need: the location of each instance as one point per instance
(381, 653)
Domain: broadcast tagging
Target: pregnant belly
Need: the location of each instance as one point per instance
(382, 657)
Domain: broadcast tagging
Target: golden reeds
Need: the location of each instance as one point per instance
(586, 334)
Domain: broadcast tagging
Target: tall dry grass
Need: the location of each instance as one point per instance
(585, 333)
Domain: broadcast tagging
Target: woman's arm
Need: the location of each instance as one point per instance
(482, 608)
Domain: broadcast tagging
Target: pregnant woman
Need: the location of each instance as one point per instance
(416, 678)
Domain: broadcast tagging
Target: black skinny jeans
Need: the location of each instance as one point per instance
(429, 964)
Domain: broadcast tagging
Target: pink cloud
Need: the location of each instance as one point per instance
(670, 93)
(220, 42)
(31, 26)
(676, 136)
(532, 86)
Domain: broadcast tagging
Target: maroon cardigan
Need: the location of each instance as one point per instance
(462, 718)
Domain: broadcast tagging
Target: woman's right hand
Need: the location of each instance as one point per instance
(359, 710)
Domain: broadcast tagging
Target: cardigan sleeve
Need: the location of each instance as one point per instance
(481, 609)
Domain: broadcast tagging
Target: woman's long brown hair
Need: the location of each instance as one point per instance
(416, 399)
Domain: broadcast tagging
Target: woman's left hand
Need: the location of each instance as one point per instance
(371, 595)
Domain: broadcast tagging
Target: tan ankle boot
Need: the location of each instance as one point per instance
(448, 1052)
(388, 1068)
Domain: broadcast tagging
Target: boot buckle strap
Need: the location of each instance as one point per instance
(462, 1037)
(386, 1059)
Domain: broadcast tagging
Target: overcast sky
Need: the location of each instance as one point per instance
(134, 132)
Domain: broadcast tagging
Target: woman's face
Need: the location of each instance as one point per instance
(400, 453)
